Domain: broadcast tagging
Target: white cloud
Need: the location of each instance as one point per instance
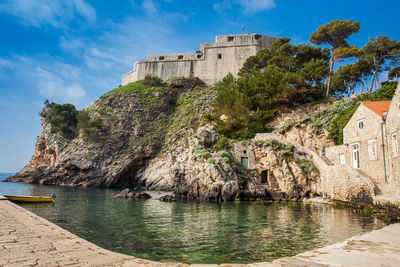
(57, 13)
(59, 88)
(253, 6)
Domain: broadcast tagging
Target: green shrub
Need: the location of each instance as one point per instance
(202, 151)
(211, 160)
(87, 125)
(340, 121)
(63, 119)
(152, 81)
(285, 151)
(307, 167)
(222, 143)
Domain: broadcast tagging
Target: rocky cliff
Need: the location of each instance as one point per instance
(155, 138)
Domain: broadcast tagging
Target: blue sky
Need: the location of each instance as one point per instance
(76, 50)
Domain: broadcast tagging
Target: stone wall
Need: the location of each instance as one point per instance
(211, 63)
(393, 128)
(333, 153)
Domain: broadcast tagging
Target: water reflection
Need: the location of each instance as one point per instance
(196, 232)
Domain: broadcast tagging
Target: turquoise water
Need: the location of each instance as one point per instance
(194, 232)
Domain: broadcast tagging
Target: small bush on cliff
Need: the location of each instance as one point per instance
(307, 167)
(152, 81)
(62, 119)
(286, 151)
(87, 125)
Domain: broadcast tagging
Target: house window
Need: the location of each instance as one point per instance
(161, 58)
(230, 38)
(180, 57)
(361, 125)
(395, 146)
(244, 162)
(356, 156)
(342, 159)
(264, 177)
(372, 149)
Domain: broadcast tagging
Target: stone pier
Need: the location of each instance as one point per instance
(29, 240)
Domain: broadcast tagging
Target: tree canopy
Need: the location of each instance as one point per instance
(282, 75)
(336, 33)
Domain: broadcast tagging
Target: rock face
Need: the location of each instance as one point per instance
(134, 126)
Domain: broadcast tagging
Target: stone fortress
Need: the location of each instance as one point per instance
(211, 63)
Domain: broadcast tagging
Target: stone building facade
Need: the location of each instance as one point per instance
(370, 143)
(392, 140)
(211, 63)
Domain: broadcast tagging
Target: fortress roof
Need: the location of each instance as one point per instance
(379, 107)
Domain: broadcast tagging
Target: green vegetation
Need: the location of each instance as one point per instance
(202, 151)
(336, 33)
(222, 142)
(285, 151)
(307, 166)
(87, 125)
(283, 75)
(386, 92)
(135, 87)
(152, 81)
(337, 125)
(62, 119)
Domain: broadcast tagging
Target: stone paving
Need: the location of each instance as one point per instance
(29, 240)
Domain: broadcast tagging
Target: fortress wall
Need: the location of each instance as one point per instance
(164, 70)
(211, 64)
(214, 69)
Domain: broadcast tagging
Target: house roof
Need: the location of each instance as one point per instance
(379, 107)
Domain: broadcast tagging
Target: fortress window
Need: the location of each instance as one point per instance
(161, 58)
(180, 57)
(199, 56)
(257, 36)
(219, 56)
(230, 38)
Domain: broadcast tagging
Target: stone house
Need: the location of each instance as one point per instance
(370, 143)
(211, 63)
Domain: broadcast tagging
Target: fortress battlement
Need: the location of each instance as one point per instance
(211, 63)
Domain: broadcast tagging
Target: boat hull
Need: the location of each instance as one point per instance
(30, 199)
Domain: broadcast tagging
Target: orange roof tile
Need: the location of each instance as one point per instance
(379, 107)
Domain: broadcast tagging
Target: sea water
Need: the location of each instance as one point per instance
(191, 232)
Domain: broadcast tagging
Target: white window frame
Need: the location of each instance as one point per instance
(372, 153)
(395, 145)
(342, 159)
(356, 152)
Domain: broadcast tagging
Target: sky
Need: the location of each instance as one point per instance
(73, 51)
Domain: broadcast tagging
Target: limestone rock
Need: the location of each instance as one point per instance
(207, 135)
